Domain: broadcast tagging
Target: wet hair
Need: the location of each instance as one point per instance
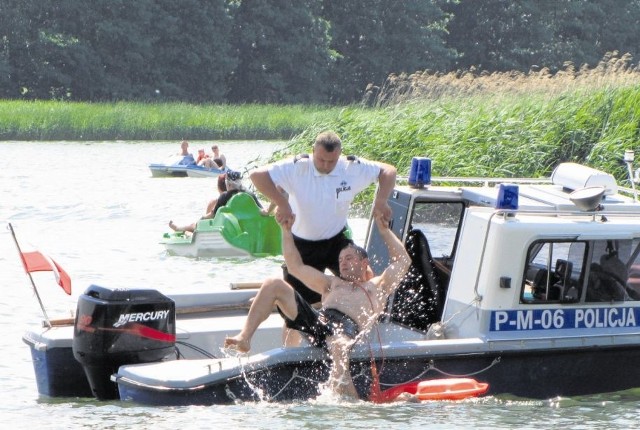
(329, 141)
(360, 251)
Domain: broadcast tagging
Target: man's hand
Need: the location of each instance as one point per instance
(284, 214)
(287, 223)
(382, 208)
(381, 221)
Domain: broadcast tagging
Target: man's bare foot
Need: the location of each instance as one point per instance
(174, 227)
(237, 343)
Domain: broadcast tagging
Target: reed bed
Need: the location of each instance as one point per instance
(499, 124)
(53, 120)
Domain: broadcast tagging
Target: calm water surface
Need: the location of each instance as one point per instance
(95, 209)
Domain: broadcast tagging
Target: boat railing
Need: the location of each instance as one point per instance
(566, 212)
(443, 180)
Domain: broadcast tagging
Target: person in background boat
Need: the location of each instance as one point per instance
(216, 154)
(216, 160)
(320, 191)
(222, 187)
(187, 157)
(201, 156)
(184, 148)
(233, 183)
(351, 303)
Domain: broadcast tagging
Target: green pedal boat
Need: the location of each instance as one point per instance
(238, 229)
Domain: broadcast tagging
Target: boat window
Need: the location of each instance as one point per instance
(560, 271)
(614, 271)
(554, 272)
(439, 221)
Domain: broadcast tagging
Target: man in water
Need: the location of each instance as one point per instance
(351, 302)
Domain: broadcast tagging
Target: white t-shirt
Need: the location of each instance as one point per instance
(321, 202)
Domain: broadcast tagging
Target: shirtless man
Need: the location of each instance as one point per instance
(351, 303)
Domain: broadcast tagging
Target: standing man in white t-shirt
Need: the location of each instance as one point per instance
(320, 190)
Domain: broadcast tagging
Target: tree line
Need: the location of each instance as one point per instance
(288, 51)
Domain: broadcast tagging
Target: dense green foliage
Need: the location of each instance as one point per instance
(287, 51)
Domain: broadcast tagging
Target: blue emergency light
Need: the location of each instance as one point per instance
(420, 173)
(507, 197)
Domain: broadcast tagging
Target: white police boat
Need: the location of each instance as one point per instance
(529, 286)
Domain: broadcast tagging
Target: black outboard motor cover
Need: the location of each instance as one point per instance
(115, 327)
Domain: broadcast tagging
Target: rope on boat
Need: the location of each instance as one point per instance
(196, 348)
(444, 323)
(229, 393)
(432, 366)
(293, 376)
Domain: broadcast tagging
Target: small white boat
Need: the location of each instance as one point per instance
(183, 166)
(204, 172)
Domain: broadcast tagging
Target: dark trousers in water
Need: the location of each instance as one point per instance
(320, 254)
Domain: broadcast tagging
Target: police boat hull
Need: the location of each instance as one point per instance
(529, 285)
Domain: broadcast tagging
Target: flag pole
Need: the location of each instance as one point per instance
(47, 321)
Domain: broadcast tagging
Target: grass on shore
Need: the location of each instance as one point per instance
(54, 120)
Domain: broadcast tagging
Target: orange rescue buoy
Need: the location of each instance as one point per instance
(450, 389)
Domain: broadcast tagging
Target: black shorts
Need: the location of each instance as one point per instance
(320, 254)
(320, 324)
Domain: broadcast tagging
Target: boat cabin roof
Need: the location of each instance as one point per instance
(554, 194)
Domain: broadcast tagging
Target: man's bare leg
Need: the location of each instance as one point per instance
(340, 381)
(191, 227)
(272, 292)
(290, 337)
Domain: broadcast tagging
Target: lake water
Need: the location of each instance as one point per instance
(94, 208)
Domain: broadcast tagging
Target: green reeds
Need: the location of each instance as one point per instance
(53, 120)
(502, 126)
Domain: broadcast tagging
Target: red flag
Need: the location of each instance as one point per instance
(35, 261)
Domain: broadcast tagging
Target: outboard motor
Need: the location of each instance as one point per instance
(115, 327)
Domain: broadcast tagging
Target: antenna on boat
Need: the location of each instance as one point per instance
(629, 156)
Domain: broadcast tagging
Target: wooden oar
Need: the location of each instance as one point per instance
(214, 308)
(245, 285)
(60, 322)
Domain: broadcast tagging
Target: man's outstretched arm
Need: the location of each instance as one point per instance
(386, 183)
(399, 260)
(310, 276)
(263, 183)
